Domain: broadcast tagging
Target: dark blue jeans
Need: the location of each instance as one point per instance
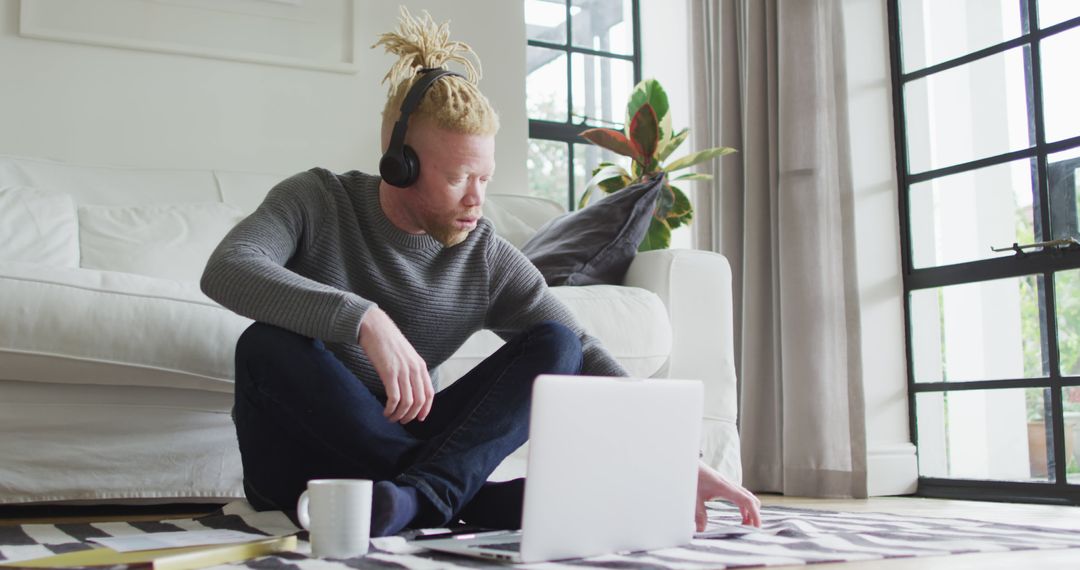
(301, 415)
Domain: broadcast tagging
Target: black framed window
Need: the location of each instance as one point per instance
(987, 127)
(582, 61)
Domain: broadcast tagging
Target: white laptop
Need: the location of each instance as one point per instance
(612, 468)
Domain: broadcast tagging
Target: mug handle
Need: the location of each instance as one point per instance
(302, 511)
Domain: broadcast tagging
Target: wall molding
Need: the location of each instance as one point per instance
(892, 470)
(101, 23)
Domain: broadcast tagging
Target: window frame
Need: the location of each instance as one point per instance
(569, 132)
(1042, 264)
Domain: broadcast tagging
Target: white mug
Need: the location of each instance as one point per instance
(338, 514)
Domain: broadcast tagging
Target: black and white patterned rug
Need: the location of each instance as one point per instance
(788, 536)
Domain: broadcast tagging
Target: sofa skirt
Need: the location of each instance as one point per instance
(116, 444)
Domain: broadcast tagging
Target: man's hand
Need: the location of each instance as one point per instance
(404, 374)
(712, 485)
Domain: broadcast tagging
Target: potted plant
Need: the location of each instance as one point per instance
(648, 140)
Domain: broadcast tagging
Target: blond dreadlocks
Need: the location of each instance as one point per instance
(452, 103)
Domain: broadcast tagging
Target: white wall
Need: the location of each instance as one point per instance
(103, 105)
(665, 56)
(891, 462)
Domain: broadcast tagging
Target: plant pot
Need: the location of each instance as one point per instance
(1076, 448)
(1037, 445)
(1037, 449)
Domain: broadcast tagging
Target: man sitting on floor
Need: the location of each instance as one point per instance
(360, 285)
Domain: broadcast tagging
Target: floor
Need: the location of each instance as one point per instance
(1043, 515)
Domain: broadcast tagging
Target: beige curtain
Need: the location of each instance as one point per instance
(769, 80)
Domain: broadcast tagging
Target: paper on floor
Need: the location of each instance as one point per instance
(158, 540)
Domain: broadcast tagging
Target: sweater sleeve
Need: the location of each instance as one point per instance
(519, 298)
(248, 274)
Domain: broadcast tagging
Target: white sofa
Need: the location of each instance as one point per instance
(116, 371)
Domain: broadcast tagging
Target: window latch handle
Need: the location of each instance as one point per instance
(1052, 244)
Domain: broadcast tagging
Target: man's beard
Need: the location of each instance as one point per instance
(449, 236)
(447, 232)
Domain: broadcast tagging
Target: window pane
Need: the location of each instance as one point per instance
(605, 25)
(602, 87)
(1061, 85)
(968, 112)
(545, 20)
(978, 331)
(1067, 298)
(934, 31)
(545, 85)
(1056, 11)
(985, 434)
(586, 158)
(549, 170)
(1063, 169)
(1070, 401)
(960, 217)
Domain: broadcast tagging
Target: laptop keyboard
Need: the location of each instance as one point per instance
(508, 546)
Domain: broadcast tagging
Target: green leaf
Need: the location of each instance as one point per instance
(648, 92)
(664, 202)
(700, 156)
(614, 184)
(657, 237)
(606, 176)
(672, 144)
(681, 205)
(682, 211)
(680, 221)
(606, 171)
(693, 176)
(584, 201)
(645, 135)
(610, 139)
(665, 132)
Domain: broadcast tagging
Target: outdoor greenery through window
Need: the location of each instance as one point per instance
(988, 148)
(582, 62)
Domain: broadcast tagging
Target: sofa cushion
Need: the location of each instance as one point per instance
(508, 226)
(99, 327)
(38, 227)
(81, 326)
(171, 241)
(111, 184)
(631, 323)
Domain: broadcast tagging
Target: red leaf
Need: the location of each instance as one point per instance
(610, 139)
(645, 133)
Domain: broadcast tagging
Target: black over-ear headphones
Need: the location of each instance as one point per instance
(399, 165)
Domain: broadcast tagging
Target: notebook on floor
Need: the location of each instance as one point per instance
(612, 468)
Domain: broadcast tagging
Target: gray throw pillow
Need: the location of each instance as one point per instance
(595, 245)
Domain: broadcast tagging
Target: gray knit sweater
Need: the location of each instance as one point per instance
(319, 252)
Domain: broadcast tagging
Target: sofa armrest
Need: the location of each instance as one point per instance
(695, 286)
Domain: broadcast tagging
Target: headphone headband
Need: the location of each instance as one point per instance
(412, 101)
(399, 165)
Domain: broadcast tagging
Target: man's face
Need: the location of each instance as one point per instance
(448, 197)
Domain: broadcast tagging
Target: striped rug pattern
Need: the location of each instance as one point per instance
(788, 536)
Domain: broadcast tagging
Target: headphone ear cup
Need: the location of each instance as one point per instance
(412, 165)
(400, 169)
(393, 169)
